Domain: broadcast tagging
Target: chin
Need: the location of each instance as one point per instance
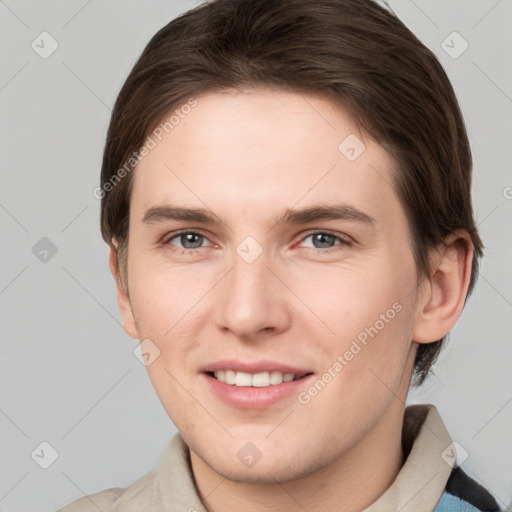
(261, 475)
(267, 470)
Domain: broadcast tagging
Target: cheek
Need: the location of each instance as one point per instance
(162, 298)
(364, 369)
(376, 373)
(369, 313)
(171, 387)
(351, 298)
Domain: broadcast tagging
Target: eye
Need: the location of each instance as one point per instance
(324, 241)
(190, 240)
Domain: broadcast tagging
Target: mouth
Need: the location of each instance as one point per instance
(255, 384)
(257, 380)
(261, 390)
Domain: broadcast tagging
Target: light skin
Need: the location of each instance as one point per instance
(245, 157)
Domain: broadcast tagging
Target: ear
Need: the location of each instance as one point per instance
(123, 301)
(443, 294)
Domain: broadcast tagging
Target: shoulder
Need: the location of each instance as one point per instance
(100, 501)
(109, 500)
(172, 477)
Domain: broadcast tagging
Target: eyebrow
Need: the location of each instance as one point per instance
(292, 216)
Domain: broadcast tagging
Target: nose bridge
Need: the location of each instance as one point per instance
(251, 301)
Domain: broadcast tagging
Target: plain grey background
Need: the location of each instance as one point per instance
(68, 373)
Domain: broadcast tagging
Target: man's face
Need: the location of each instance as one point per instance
(249, 293)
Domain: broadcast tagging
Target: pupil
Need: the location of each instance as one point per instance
(187, 237)
(320, 237)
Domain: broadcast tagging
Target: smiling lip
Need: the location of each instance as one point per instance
(249, 397)
(254, 367)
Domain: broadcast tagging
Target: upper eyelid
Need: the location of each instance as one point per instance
(343, 238)
(172, 235)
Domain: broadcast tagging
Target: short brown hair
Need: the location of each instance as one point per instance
(355, 53)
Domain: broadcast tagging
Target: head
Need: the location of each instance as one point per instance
(251, 111)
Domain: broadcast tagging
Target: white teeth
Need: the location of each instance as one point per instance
(276, 378)
(259, 380)
(243, 379)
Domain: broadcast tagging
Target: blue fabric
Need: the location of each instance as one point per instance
(450, 503)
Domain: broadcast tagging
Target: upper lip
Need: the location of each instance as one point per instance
(253, 367)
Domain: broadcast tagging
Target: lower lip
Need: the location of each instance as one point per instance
(250, 397)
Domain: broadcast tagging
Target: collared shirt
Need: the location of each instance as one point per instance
(425, 483)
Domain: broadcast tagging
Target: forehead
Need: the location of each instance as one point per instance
(262, 150)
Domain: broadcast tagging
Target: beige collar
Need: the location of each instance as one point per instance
(422, 479)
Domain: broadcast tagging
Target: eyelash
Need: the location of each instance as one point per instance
(343, 241)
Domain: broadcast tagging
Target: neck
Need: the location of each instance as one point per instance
(348, 484)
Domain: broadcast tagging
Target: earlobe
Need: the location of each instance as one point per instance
(123, 301)
(444, 292)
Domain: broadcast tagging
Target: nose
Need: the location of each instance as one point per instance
(253, 301)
